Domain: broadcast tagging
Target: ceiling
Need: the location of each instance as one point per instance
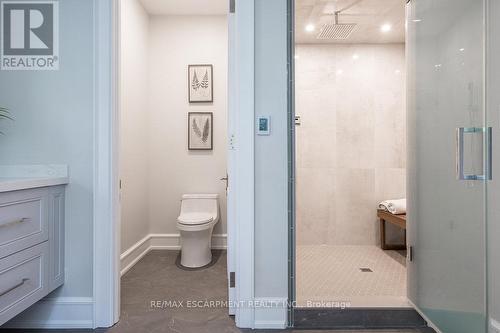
(369, 16)
(186, 7)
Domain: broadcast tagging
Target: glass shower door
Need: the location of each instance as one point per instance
(448, 162)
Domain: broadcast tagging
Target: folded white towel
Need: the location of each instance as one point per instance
(395, 207)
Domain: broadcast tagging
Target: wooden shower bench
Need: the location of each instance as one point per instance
(397, 220)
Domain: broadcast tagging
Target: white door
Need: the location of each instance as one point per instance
(231, 157)
(240, 166)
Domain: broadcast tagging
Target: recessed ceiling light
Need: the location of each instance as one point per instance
(462, 49)
(355, 56)
(340, 72)
(386, 27)
(417, 20)
(310, 27)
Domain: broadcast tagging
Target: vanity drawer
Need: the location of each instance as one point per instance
(23, 280)
(23, 220)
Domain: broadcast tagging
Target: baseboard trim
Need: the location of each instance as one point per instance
(270, 313)
(56, 313)
(172, 242)
(269, 324)
(135, 253)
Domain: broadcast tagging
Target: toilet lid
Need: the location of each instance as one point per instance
(195, 218)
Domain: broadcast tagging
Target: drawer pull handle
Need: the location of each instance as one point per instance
(24, 219)
(14, 287)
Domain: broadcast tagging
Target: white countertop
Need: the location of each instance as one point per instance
(15, 184)
(22, 177)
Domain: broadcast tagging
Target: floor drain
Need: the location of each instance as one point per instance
(366, 270)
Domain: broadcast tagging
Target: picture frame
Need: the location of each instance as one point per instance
(200, 83)
(200, 131)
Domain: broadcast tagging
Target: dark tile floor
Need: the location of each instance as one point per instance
(157, 278)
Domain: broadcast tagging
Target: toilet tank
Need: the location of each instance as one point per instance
(200, 203)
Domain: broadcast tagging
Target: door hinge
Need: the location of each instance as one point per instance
(297, 121)
(410, 253)
(232, 280)
(232, 139)
(232, 6)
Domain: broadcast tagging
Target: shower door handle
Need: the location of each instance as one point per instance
(487, 167)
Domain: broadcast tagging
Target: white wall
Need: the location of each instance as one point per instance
(54, 125)
(351, 144)
(176, 42)
(156, 166)
(134, 117)
(271, 160)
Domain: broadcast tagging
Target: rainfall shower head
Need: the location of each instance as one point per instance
(336, 30)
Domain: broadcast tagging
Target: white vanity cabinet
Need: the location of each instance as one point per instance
(31, 246)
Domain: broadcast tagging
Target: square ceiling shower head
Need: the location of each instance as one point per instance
(336, 31)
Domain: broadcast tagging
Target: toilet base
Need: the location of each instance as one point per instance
(196, 248)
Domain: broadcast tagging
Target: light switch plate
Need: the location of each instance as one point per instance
(263, 125)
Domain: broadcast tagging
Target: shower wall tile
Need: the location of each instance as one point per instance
(315, 197)
(317, 107)
(310, 57)
(318, 185)
(317, 147)
(354, 208)
(390, 183)
(390, 133)
(389, 99)
(355, 136)
(307, 80)
(351, 141)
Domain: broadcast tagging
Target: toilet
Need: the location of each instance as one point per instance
(199, 214)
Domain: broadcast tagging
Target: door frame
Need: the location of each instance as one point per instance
(106, 219)
(292, 181)
(291, 162)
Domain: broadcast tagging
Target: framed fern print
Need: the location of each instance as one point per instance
(200, 131)
(201, 85)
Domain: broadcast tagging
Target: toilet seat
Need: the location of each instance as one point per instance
(195, 219)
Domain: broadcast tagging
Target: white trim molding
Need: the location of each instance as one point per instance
(57, 313)
(271, 313)
(244, 160)
(106, 279)
(133, 254)
(160, 242)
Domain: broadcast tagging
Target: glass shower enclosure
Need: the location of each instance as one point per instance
(449, 162)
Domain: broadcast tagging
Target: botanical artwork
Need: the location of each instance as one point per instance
(200, 128)
(200, 83)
